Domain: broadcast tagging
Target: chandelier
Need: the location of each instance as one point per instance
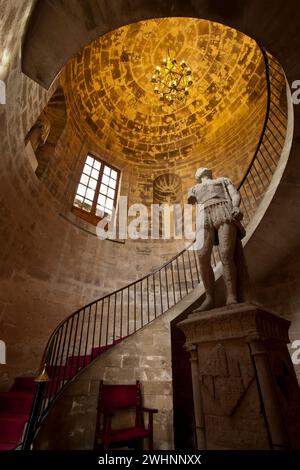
(172, 80)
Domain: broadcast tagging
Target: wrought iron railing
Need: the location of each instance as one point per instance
(266, 156)
(95, 328)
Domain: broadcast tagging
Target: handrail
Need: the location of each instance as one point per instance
(268, 151)
(97, 326)
(267, 72)
(108, 295)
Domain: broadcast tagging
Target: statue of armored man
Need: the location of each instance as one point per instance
(220, 201)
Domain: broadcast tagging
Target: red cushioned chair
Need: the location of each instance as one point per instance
(111, 400)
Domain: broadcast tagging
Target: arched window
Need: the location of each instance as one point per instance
(97, 191)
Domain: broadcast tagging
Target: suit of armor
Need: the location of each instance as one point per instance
(220, 201)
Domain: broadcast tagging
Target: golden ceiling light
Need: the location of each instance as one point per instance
(172, 80)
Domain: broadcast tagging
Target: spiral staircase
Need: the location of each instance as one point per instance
(97, 327)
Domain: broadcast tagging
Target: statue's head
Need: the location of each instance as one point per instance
(201, 172)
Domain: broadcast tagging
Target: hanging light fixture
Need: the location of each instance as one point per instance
(172, 80)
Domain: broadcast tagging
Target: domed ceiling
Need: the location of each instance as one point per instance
(109, 90)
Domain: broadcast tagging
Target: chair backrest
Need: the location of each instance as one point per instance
(113, 397)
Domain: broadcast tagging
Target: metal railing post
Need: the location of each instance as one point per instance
(41, 382)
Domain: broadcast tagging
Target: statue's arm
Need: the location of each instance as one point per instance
(192, 196)
(234, 195)
(236, 200)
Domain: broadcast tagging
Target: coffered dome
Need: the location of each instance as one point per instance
(110, 92)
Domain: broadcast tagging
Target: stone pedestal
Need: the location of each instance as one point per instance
(246, 394)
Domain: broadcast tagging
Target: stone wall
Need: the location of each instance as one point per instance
(50, 265)
(14, 16)
(144, 356)
(147, 356)
(36, 291)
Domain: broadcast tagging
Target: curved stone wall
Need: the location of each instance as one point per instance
(113, 112)
(48, 266)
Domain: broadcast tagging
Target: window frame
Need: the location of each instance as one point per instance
(91, 216)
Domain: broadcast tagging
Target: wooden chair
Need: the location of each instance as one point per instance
(111, 400)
